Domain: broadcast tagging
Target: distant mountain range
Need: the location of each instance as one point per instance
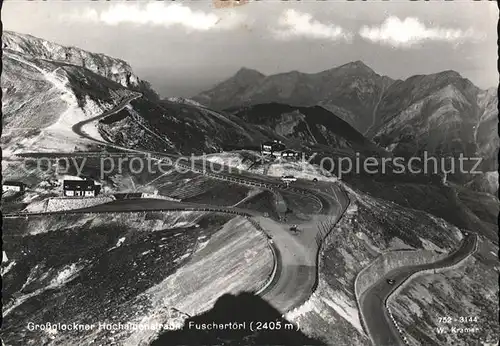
(49, 87)
(442, 113)
(352, 91)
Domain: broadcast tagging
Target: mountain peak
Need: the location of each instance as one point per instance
(357, 65)
(248, 72)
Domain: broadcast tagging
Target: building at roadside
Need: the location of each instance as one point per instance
(272, 148)
(80, 188)
(290, 154)
(15, 186)
(266, 148)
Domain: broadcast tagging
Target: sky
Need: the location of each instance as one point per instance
(186, 47)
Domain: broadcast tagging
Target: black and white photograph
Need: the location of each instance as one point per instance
(245, 172)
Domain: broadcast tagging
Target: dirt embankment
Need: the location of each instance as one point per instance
(235, 259)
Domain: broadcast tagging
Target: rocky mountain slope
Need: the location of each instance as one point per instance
(445, 115)
(306, 126)
(185, 127)
(230, 92)
(441, 113)
(114, 69)
(352, 91)
(42, 99)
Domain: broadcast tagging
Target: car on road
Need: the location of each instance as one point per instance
(293, 228)
(269, 239)
(391, 281)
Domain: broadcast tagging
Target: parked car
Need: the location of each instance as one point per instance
(270, 239)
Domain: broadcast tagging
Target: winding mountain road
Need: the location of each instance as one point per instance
(78, 127)
(296, 274)
(297, 261)
(296, 271)
(380, 328)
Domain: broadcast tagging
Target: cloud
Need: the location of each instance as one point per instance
(162, 14)
(410, 32)
(292, 24)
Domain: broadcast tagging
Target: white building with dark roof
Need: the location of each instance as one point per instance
(15, 186)
(80, 188)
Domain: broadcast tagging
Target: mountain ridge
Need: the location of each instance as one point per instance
(115, 69)
(442, 113)
(333, 88)
(355, 96)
